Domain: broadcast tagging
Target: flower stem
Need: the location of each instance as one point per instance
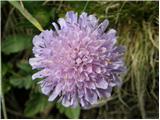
(85, 5)
(4, 107)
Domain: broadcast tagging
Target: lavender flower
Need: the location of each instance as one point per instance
(79, 62)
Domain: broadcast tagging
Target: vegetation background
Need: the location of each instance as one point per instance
(137, 27)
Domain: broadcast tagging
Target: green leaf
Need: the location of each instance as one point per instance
(16, 43)
(43, 16)
(5, 68)
(36, 104)
(21, 82)
(26, 14)
(72, 113)
(22, 78)
(6, 86)
(24, 66)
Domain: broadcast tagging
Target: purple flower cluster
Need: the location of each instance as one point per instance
(79, 62)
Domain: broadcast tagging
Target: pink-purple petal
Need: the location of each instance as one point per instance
(78, 61)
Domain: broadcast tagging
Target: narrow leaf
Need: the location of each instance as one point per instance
(26, 14)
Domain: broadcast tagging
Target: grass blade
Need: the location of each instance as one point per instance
(26, 14)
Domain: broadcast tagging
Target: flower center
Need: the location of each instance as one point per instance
(78, 61)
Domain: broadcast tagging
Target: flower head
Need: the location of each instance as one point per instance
(79, 62)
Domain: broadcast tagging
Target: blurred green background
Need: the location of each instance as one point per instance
(137, 28)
